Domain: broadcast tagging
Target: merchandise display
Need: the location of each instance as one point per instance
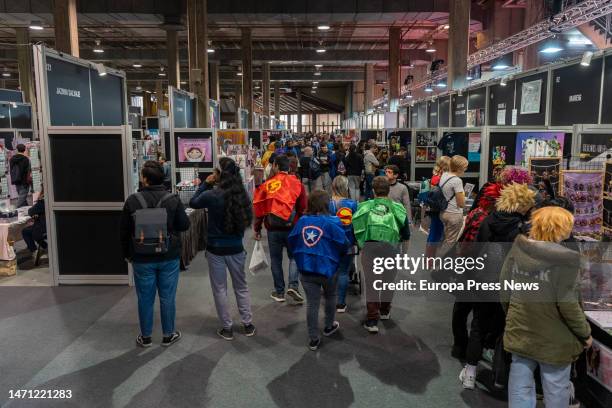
(584, 189)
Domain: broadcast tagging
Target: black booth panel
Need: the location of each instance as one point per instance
(414, 117)
(5, 116)
(136, 135)
(421, 173)
(152, 123)
(368, 135)
(477, 98)
(459, 111)
(107, 99)
(576, 91)
(102, 255)
(422, 118)
(501, 98)
(443, 111)
(87, 168)
(433, 114)
(69, 93)
(167, 145)
(21, 117)
(532, 119)
(606, 113)
(11, 95)
(255, 138)
(179, 109)
(8, 139)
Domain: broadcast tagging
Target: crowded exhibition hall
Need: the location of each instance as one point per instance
(322, 203)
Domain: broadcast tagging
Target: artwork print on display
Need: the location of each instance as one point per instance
(585, 190)
(530, 97)
(538, 144)
(498, 156)
(194, 150)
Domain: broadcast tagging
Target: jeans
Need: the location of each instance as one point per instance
(22, 191)
(354, 187)
(312, 287)
(308, 185)
(368, 186)
(277, 240)
(343, 277)
(436, 228)
(151, 278)
(521, 385)
(218, 266)
(325, 182)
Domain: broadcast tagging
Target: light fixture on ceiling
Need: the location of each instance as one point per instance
(314, 87)
(321, 50)
(98, 49)
(469, 77)
(428, 88)
(315, 82)
(137, 65)
(313, 91)
(139, 88)
(579, 40)
(446, 26)
(318, 66)
(6, 74)
(162, 73)
(586, 58)
(101, 69)
(409, 96)
(460, 92)
(35, 25)
(318, 73)
(504, 81)
(551, 46)
(430, 47)
(210, 49)
(501, 63)
(323, 27)
(441, 84)
(183, 82)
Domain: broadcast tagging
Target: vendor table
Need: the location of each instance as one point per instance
(9, 267)
(194, 239)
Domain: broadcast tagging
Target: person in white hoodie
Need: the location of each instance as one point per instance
(370, 163)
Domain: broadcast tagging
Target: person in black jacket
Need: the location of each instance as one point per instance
(229, 214)
(354, 170)
(400, 159)
(20, 169)
(35, 234)
(155, 272)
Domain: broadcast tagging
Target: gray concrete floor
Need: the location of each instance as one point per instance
(82, 339)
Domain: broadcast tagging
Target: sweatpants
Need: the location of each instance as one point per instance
(218, 265)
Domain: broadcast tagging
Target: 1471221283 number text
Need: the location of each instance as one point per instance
(40, 394)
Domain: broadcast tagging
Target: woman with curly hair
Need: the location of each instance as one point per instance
(229, 214)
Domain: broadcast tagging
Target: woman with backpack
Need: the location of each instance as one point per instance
(452, 189)
(343, 207)
(436, 228)
(229, 214)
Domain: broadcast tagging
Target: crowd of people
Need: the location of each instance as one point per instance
(323, 202)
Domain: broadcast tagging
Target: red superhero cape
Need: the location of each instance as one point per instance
(277, 196)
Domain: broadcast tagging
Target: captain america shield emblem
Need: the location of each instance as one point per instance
(311, 235)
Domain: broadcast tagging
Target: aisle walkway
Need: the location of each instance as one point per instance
(82, 339)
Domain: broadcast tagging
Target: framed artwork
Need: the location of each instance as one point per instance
(531, 95)
(538, 144)
(541, 167)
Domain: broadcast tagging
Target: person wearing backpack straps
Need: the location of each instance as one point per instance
(150, 225)
(452, 189)
(229, 214)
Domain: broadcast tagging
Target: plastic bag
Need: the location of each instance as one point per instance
(259, 260)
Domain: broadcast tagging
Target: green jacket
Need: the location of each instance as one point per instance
(380, 219)
(547, 325)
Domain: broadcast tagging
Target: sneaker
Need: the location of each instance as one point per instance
(469, 381)
(385, 316)
(279, 297)
(295, 295)
(170, 340)
(249, 330)
(487, 355)
(328, 331)
(314, 344)
(341, 308)
(144, 341)
(370, 325)
(228, 334)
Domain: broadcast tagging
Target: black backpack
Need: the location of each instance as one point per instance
(435, 199)
(314, 168)
(151, 235)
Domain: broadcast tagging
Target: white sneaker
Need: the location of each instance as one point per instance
(385, 316)
(469, 381)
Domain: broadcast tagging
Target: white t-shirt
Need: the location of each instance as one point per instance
(454, 185)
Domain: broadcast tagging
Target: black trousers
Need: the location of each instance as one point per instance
(461, 312)
(488, 321)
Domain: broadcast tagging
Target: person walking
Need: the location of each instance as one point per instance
(21, 171)
(327, 164)
(452, 189)
(354, 171)
(150, 225)
(370, 163)
(229, 214)
(343, 207)
(278, 204)
(436, 228)
(308, 175)
(317, 242)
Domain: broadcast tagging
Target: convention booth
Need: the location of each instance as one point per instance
(237, 144)
(87, 163)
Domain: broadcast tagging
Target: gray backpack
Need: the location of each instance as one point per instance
(151, 227)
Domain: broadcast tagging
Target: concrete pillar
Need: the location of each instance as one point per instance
(147, 106)
(458, 47)
(247, 72)
(298, 94)
(394, 67)
(202, 52)
(172, 48)
(24, 63)
(192, 42)
(358, 103)
(159, 94)
(277, 112)
(368, 87)
(265, 88)
(66, 27)
(238, 102)
(214, 81)
(348, 102)
(534, 13)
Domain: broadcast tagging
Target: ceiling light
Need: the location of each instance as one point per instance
(586, 58)
(500, 66)
(409, 94)
(317, 73)
(210, 50)
(315, 87)
(239, 73)
(446, 26)
(137, 65)
(469, 77)
(579, 41)
(183, 82)
(318, 65)
(323, 27)
(320, 50)
(6, 74)
(551, 46)
(139, 88)
(36, 25)
(313, 91)
(430, 47)
(441, 84)
(315, 82)
(101, 69)
(148, 92)
(504, 81)
(97, 49)
(162, 73)
(428, 88)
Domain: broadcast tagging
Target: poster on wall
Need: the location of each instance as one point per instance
(538, 144)
(195, 151)
(584, 188)
(542, 168)
(426, 147)
(474, 147)
(595, 145)
(531, 96)
(231, 137)
(599, 364)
